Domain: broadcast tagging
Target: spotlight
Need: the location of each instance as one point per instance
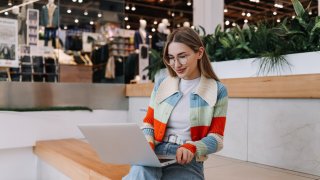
(76, 21)
(91, 23)
(133, 8)
(86, 13)
(274, 13)
(99, 15)
(225, 10)
(126, 18)
(189, 3)
(69, 11)
(127, 7)
(246, 21)
(248, 14)
(155, 22)
(153, 30)
(227, 22)
(128, 26)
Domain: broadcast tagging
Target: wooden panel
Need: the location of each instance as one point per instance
(77, 160)
(75, 73)
(293, 86)
(143, 89)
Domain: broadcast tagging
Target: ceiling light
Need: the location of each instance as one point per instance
(278, 4)
(69, 11)
(178, 25)
(9, 3)
(149, 36)
(65, 27)
(248, 14)
(155, 22)
(128, 27)
(310, 12)
(161, 0)
(6, 13)
(246, 21)
(133, 8)
(293, 16)
(99, 15)
(192, 27)
(76, 20)
(80, 1)
(86, 13)
(234, 24)
(74, 0)
(256, 1)
(173, 14)
(127, 7)
(243, 13)
(153, 30)
(126, 18)
(227, 22)
(91, 23)
(274, 13)
(278, 20)
(189, 3)
(225, 10)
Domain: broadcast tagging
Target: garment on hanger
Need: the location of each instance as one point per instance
(138, 39)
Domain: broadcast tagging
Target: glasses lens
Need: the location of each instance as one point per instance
(183, 60)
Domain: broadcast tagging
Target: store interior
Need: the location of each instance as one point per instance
(97, 41)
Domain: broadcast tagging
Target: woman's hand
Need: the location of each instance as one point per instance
(184, 156)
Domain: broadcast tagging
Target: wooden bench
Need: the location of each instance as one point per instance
(77, 160)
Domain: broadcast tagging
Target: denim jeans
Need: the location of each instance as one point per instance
(193, 170)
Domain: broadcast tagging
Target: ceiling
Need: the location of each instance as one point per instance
(264, 10)
(155, 10)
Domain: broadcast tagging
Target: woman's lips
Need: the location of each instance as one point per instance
(180, 71)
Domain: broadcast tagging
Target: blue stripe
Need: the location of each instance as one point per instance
(173, 99)
(211, 144)
(196, 101)
(222, 91)
(148, 131)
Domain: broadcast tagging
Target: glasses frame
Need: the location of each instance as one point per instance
(168, 60)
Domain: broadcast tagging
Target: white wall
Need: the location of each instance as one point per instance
(20, 130)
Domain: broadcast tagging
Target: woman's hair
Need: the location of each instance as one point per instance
(190, 38)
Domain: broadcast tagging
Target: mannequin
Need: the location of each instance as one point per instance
(159, 38)
(50, 20)
(166, 23)
(141, 35)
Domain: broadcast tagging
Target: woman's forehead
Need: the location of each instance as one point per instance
(177, 48)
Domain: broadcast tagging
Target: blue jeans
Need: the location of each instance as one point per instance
(193, 170)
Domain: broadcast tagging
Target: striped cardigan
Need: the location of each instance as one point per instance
(207, 114)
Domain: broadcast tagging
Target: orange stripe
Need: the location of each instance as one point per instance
(149, 116)
(218, 125)
(199, 132)
(190, 147)
(151, 145)
(159, 130)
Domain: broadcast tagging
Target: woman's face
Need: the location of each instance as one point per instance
(184, 61)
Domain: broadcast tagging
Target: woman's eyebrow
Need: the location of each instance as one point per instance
(177, 54)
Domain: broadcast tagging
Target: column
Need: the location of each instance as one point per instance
(208, 14)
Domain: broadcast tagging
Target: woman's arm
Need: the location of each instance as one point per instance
(213, 142)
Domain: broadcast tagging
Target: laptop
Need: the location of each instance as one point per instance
(123, 144)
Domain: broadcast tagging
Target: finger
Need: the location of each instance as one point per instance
(185, 156)
(190, 157)
(179, 155)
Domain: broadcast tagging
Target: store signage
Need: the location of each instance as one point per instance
(8, 43)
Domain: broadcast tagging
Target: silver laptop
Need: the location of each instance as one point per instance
(123, 144)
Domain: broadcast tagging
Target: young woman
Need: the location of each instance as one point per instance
(187, 111)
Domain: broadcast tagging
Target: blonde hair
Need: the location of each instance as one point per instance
(189, 37)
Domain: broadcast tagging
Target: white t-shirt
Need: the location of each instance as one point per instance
(179, 120)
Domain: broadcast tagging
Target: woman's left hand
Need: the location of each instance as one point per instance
(184, 155)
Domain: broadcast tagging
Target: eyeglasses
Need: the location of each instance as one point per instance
(182, 59)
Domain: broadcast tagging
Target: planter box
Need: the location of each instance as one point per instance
(301, 63)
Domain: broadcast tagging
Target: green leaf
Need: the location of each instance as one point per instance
(298, 8)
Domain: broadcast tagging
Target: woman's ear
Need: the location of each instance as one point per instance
(200, 52)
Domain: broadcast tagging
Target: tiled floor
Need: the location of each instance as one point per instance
(222, 168)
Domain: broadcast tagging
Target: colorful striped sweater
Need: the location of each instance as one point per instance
(207, 114)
